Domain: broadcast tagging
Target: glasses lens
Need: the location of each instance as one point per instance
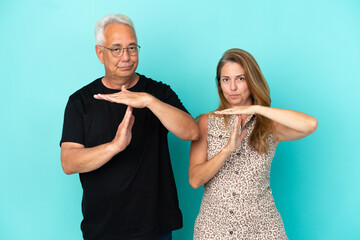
(117, 52)
(133, 50)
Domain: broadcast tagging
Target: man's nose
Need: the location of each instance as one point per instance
(125, 56)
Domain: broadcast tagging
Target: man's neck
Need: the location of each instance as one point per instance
(116, 83)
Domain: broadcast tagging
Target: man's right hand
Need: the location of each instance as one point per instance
(123, 135)
(75, 158)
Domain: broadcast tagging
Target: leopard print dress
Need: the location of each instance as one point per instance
(237, 202)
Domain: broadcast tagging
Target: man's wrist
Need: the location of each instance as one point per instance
(113, 148)
(150, 101)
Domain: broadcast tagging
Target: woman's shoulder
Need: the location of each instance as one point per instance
(206, 120)
(206, 117)
(203, 120)
(211, 119)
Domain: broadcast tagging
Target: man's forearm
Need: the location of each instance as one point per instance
(180, 123)
(75, 158)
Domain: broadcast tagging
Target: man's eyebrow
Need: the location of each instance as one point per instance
(120, 45)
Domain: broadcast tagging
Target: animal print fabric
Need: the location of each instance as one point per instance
(237, 202)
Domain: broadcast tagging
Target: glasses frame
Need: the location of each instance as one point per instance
(122, 50)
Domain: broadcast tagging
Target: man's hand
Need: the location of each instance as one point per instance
(123, 135)
(133, 99)
(75, 158)
(180, 123)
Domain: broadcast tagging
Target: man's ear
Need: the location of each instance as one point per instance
(99, 53)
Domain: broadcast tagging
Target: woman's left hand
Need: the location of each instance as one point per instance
(248, 110)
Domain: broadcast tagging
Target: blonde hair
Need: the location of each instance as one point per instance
(260, 94)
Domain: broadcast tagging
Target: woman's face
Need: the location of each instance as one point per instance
(234, 86)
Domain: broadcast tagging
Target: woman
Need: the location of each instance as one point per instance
(233, 155)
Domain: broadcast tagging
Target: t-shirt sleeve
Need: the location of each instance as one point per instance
(171, 98)
(73, 128)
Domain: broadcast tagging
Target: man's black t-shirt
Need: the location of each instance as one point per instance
(133, 196)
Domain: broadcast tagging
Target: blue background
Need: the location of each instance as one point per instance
(309, 52)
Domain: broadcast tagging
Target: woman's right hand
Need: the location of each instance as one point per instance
(236, 136)
(202, 169)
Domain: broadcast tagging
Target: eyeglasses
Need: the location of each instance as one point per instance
(118, 51)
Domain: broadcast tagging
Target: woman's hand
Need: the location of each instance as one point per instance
(236, 137)
(248, 110)
(201, 169)
(288, 124)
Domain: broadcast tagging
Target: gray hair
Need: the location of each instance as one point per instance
(108, 19)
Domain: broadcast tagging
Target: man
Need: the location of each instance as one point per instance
(115, 136)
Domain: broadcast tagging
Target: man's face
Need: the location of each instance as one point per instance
(118, 36)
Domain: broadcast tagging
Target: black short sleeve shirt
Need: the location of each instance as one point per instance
(133, 196)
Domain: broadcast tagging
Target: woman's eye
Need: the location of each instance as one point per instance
(225, 79)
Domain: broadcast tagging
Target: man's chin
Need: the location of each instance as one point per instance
(125, 71)
(125, 74)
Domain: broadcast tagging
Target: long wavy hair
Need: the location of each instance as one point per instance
(260, 94)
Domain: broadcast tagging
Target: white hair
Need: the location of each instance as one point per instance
(108, 19)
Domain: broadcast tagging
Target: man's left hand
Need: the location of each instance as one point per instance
(132, 99)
